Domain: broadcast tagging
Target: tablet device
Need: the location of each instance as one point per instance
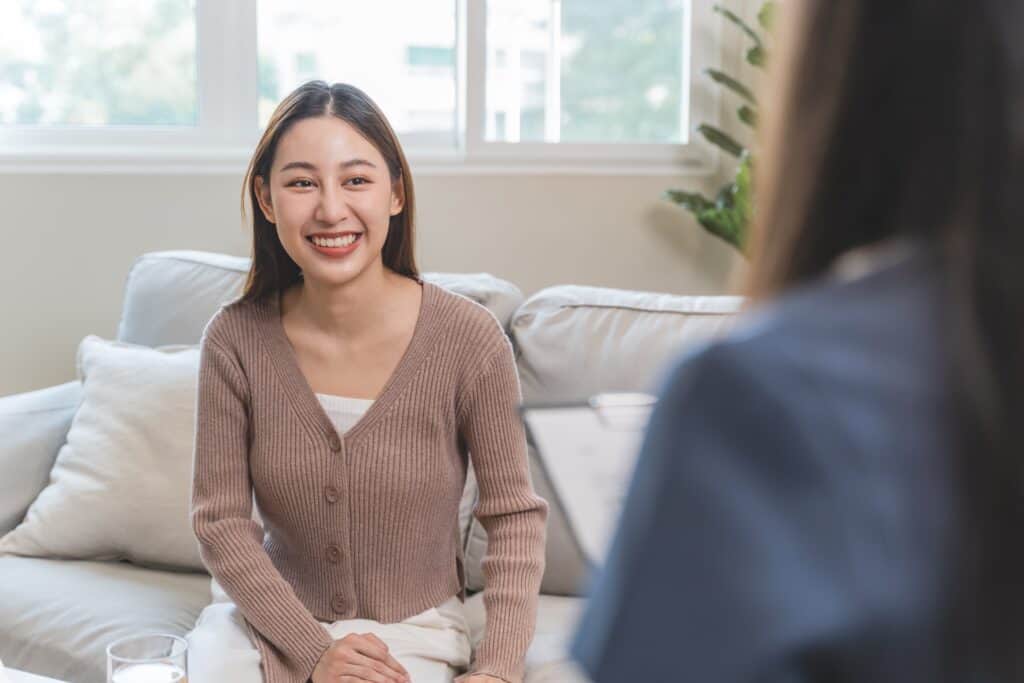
(587, 450)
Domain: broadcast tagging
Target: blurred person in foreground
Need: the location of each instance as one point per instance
(833, 491)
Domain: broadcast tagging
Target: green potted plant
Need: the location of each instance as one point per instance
(727, 216)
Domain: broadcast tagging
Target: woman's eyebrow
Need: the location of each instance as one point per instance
(358, 162)
(312, 167)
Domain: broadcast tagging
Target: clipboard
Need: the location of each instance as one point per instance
(587, 449)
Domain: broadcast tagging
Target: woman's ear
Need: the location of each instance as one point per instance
(262, 191)
(397, 197)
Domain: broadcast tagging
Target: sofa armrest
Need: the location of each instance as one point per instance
(33, 427)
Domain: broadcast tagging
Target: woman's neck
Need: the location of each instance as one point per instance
(348, 310)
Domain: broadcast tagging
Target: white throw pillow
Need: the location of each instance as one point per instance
(120, 486)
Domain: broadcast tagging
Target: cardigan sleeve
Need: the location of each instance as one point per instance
(230, 541)
(514, 517)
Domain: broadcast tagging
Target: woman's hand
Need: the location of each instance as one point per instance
(483, 678)
(359, 658)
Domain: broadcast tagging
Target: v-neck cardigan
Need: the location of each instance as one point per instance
(364, 525)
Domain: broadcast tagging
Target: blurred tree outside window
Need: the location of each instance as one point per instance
(98, 63)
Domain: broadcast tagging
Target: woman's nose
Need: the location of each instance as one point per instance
(333, 208)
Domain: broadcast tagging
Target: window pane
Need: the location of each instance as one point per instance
(584, 71)
(406, 66)
(98, 62)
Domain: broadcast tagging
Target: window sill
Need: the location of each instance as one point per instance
(212, 160)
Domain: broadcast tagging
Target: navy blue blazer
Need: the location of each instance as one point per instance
(789, 517)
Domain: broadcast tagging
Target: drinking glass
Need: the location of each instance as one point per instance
(148, 658)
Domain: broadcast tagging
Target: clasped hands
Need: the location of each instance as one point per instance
(364, 658)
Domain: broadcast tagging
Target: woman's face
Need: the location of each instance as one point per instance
(328, 180)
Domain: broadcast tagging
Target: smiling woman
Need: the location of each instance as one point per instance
(328, 164)
(344, 191)
(359, 575)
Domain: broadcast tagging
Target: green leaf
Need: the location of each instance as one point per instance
(766, 16)
(731, 16)
(694, 201)
(726, 224)
(732, 84)
(721, 139)
(748, 115)
(756, 55)
(743, 194)
(728, 217)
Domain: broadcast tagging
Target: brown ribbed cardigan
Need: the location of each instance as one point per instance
(364, 525)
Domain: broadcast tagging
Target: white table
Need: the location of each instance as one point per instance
(14, 676)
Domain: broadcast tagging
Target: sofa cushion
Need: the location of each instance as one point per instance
(169, 296)
(547, 660)
(34, 425)
(59, 615)
(120, 485)
(573, 342)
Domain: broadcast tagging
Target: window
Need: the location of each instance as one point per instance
(407, 66)
(100, 63)
(555, 71)
(468, 84)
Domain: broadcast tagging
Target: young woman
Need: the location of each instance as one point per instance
(834, 491)
(346, 394)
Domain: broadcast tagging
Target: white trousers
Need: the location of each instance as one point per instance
(433, 646)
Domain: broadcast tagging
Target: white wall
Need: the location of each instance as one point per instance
(70, 239)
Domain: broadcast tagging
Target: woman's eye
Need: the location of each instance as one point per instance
(358, 180)
(298, 183)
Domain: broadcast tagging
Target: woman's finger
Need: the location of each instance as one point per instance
(393, 662)
(361, 642)
(365, 674)
(380, 651)
(378, 666)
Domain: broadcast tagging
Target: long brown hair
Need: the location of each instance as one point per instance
(906, 118)
(272, 269)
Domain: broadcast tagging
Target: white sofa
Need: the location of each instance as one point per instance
(57, 615)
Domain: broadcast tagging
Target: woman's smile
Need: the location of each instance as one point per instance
(336, 247)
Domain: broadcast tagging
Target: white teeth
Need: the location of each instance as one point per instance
(335, 242)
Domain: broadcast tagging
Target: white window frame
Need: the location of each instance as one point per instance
(227, 129)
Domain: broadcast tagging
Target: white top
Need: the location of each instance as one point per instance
(344, 411)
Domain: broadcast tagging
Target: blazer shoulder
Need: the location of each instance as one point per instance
(744, 363)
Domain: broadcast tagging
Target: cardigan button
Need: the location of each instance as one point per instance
(335, 442)
(331, 494)
(333, 554)
(338, 603)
